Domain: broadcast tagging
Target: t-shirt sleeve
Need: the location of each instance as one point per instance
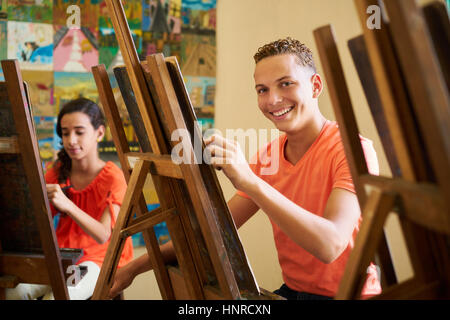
(117, 187)
(117, 190)
(342, 176)
(242, 194)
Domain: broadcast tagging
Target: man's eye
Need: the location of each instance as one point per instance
(286, 84)
(259, 91)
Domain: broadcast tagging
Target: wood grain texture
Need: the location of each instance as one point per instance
(28, 226)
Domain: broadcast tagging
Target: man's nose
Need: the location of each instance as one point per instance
(275, 97)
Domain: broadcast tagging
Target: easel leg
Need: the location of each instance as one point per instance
(106, 277)
(156, 259)
(377, 208)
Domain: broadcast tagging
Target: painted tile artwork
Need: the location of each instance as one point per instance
(45, 136)
(89, 11)
(198, 55)
(31, 44)
(3, 5)
(76, 50)
(108, 48)
(133, 12)
(40, 84)
(161, 26)
(31, 10)
(201, 91)
(3, 39)
(72, 85)
(109, 53)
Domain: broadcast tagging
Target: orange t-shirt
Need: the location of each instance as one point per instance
(309, 183)
(107, 188)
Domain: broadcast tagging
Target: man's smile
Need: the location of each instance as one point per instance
(281, 112)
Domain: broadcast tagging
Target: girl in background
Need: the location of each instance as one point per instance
(93, 191)
(87, 194)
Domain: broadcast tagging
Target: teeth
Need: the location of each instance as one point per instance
(282, 112)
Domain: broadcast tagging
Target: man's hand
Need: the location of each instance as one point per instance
(226, 155)
(122, 280)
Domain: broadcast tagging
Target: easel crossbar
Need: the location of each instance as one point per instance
(161, 165)
(146, 221)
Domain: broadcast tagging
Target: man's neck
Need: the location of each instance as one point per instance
(299, 142)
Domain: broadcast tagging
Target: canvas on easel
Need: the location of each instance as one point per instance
(211, 262)
(29, 251)
(406, 72)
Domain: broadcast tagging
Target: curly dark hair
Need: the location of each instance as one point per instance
(287, 46)
(95, 114)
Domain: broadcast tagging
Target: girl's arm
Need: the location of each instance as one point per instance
(99, 230)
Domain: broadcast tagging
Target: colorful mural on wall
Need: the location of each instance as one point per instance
(56, 58)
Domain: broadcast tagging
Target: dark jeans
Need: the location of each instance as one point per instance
(290, 294)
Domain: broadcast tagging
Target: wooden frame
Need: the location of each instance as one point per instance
(420, 194)
(211, 261)
(29, 251)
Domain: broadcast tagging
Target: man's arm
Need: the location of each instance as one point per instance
(241, 209)
(324, 237)
(125, 275)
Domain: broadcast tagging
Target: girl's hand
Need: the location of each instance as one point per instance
(226, 155)
(57, 197)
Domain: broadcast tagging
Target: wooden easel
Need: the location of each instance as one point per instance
(408, 77)
(29, 251)
(211, 261)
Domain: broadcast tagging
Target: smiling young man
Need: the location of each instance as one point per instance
(310, 200)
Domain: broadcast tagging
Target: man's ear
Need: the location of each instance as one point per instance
(317, 85)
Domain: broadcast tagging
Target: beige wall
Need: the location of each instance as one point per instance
(243, 26)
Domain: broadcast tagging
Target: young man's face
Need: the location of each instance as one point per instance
(286, 91)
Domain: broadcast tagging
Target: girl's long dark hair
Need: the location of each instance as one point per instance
(89, 108)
